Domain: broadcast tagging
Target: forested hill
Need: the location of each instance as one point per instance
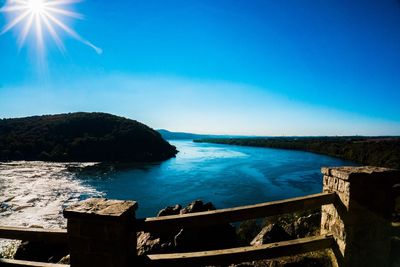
(374, 151)
(168, 135)
(81, 137)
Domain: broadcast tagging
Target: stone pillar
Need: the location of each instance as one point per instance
(102, 232)
(361, 217)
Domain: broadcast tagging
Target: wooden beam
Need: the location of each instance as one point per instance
(34, 234)
(21, 263)
(242, 254)
(199, 219)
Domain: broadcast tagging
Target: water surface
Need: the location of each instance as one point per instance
(33, 194)
(226, 175)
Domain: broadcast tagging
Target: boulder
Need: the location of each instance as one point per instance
(206, 238)
(197, 206)
(147, 242)
(65, 260)
(41, 251)
(303, 226)
(170, 210)
(203, 238)
(270, 234)
(307, 225)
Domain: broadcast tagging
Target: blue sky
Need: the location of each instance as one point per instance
(227, 67)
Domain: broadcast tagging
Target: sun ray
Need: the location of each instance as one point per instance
(47, 17)
(21, 2)
(13, 8)
(61, 25)
(39, 33)
(64, 12)
(54, 34)
(72, 33)
(14, 22)
(62, 2)
(24, 33)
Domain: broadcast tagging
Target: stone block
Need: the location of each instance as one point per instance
(101, 207)
(359, 221)
(102, 233)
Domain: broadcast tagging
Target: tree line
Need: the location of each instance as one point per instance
(374, 151)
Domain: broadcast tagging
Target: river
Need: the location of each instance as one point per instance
(226, 175)
(34, 193)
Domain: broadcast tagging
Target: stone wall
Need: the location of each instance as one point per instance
(360, 220)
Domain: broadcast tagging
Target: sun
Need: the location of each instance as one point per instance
(42, 17)
(37, 6)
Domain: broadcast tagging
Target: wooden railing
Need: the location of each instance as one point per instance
(167, 223)
(32, 234)
(21, 263)
(242, 254)
(201, 219)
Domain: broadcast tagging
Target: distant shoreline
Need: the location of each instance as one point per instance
(374, 151)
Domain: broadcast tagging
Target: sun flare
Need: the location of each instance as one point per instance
(36, 6)
(42, 17)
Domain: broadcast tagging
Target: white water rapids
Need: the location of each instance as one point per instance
(33, 194)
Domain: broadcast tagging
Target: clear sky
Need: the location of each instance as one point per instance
(311, 67)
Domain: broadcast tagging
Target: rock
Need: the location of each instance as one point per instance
(9, 199)
(147, 243)
(17, 208)
(170, 210)
(203, 238)
(4, 206)
(247, 230)
(41, 251)
(307, 225)
(64, 260)
(269, 234)
(299, 226)
(319, 259)
(243, 264)
(207, 238)
(197, 206)
(167, 237)
(308, 262)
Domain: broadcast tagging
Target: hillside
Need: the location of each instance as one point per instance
(374, 151)
(81, 137)
(168, 135)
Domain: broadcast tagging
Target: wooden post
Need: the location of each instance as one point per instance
(102, 232)
(360, 220)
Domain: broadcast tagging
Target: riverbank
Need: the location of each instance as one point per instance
(374, 151)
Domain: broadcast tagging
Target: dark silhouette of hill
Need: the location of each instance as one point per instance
(81, 137)
(168, 135)
(374, 151)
